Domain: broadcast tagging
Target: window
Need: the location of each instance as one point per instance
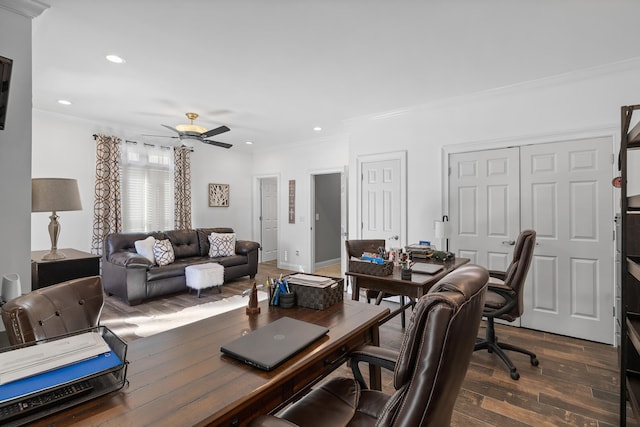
(146, 174)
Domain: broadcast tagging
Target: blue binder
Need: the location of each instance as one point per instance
(60, 376)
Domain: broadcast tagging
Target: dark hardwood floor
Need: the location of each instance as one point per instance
(576, 383)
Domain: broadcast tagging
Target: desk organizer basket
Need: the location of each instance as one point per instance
(102, 382)
(371, 268)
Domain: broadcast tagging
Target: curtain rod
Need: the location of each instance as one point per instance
(146, 143)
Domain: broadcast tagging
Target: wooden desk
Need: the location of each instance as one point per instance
(179, 377)
(393, 283)
(75, 265)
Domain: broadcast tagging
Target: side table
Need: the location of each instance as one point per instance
(77, 264)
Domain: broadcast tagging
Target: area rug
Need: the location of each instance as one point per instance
(149, 325)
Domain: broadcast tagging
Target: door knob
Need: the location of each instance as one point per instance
(396, 237)
(509, 242)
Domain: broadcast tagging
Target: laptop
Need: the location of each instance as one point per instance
(425, 268)
(269, 346)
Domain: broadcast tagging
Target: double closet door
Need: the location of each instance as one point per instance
(561, 190)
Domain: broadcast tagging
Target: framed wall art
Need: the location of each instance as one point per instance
(219, 195)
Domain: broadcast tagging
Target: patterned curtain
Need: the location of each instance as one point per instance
(107, 213)
(182, 182)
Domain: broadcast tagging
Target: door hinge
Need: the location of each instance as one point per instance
(613, 311)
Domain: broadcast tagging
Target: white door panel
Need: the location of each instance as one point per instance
(484, 209)
(381, 188)
(562, 191)
(268, 219)
(567, 199)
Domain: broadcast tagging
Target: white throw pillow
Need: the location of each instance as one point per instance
(163, 251)
(222, 244)
(145, 248)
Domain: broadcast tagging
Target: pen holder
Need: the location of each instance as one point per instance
(287, 300)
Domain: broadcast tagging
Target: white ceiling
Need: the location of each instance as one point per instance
(272, 70)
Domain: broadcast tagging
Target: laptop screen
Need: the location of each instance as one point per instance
(269, 346)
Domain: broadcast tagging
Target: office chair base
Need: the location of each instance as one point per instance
(491, 344)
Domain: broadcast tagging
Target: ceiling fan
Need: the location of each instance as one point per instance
(191, 131)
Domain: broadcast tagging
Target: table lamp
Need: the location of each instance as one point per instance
(53, 195)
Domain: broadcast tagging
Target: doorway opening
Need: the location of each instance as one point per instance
(268, 218)
(328, 214)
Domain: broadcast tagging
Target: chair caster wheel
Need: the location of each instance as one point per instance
(515, 375)
(534, 361)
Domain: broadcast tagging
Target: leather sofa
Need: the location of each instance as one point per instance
(134, 278)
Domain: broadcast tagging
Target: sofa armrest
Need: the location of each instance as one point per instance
(129, 260)
(243, 247)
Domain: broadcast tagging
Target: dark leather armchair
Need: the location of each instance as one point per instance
(428, 370)
(55, 310)
(505, 300)
(355, 248)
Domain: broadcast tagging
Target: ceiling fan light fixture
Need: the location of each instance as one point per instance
(191, 128)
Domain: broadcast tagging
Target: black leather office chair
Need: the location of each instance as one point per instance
(428, 369)
(55, 310)
(355, 248)
(505, 300)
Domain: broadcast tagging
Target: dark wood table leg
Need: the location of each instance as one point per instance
(375, 375)
(355, 289)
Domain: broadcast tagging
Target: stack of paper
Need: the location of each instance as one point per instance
(310, 280)
(36, 359)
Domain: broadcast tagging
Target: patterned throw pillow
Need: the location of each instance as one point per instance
(222, 244)
(163, 252)
(145, 248)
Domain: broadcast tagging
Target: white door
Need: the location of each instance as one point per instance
(562, 190)
(268, 219)
(484, 211)
(567, 198)
(383, 199)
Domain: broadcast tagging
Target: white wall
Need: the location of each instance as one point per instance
(64, 147)
(543, 111)
(215, 165)
(15, 151)
(298, 162)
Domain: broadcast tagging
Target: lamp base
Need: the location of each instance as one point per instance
(54, 254)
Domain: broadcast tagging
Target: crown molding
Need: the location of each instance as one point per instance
(530, 85)
(27, 8)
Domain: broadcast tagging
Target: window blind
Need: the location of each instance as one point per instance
(147, 188)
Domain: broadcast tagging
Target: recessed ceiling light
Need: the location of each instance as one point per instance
(64, 102)
(115, 59)
(249, 143)
(317, 128)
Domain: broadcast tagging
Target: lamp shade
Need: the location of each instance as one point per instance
(55, 194)
(441, 229)
(11, 287)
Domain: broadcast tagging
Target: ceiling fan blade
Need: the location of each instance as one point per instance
(172, 128)
(161, 136)
(218, 144)
(216, 131)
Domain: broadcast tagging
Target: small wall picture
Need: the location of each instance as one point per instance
(219, 195)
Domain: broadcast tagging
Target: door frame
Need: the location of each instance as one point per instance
(368, 158)
(256, 229)
(610, 132)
